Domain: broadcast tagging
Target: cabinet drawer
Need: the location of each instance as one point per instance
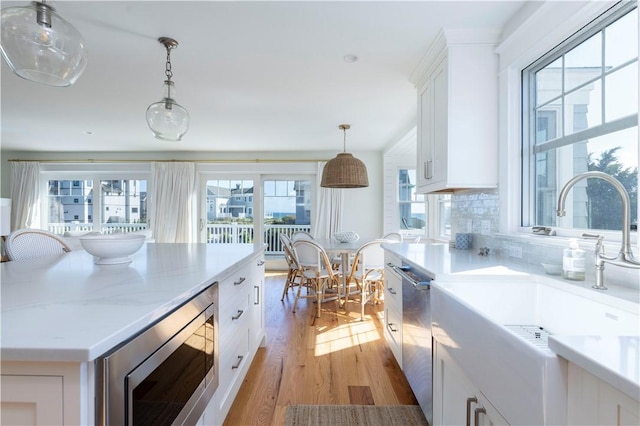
(393, 331)
(235, 319)
(234, 359)
(392, 288)
(234, 284)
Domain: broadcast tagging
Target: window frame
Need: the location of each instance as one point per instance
(94, 173)
(529, 148)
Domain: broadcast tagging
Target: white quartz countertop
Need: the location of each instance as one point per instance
(66, 308)
(613, 359)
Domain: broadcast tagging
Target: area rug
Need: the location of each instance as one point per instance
(354, 415)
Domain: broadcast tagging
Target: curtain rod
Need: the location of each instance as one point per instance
(89, 160)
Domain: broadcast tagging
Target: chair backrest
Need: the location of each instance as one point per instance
(289, 252)
(312, 256)
(32, 243)
(393, 236)
(302, 235)
(369, 256)
(284, 240)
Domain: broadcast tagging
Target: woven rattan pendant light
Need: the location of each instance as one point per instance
(344, 171)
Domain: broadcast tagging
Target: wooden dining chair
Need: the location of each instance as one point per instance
(294, 273)
(316, 272)
(367, 271)
(32, 243)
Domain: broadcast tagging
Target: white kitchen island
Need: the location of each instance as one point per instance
(60, 313)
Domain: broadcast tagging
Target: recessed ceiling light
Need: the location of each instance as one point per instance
(88, 132)
(350, 58)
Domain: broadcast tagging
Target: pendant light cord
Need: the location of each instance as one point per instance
(344, 128)
(167, 70)
(344, 140)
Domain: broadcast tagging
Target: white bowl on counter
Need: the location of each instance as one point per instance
(112, 249)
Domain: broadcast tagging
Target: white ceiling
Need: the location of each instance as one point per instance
(254, 76)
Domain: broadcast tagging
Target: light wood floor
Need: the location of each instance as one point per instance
(334, 359)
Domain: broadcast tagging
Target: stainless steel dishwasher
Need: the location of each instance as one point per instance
(417, 354)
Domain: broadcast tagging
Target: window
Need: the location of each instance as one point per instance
(121, 204)
(287, 208)
(411, 204)
(229, 211)
(580, 113)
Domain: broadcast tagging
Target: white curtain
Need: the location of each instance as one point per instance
(329, 202)
(25, 194)
(172, 199)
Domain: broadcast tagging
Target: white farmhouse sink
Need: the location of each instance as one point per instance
(525, 381)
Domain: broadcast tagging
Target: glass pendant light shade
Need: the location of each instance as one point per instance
(39, 45)
(167, 119)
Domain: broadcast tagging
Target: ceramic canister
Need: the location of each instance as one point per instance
(463, 241)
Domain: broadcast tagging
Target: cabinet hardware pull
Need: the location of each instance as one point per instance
(392, 290)
(240, 281)
(391, 327)
(238, 362)
(257, 302)
(476, 415)
(238, 315)
(429, 169)
(470, 400)
(261, 262)
(426, 169)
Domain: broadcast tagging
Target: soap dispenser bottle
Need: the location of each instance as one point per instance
(573, 262)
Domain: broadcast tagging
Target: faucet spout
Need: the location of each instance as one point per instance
(625, 257)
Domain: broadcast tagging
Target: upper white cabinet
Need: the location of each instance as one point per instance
(457, 83)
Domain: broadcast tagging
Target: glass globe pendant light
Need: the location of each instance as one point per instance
(38, 45)
(167, 119)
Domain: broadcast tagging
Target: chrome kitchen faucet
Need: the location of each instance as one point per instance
(625, 257)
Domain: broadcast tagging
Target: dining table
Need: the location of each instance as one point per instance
(344, 250)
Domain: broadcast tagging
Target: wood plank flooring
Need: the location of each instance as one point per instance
(334, 359)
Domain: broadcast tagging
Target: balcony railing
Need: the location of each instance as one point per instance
(217, 233)
(105, 228)
(231, 233)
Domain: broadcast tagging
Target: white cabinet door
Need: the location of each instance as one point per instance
(424, 168)
(593, 401)
(432, 130)
(457, 401)
(440, 101)
(32, 400)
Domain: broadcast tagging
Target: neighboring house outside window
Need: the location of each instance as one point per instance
(123, 205)
(580, 113)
